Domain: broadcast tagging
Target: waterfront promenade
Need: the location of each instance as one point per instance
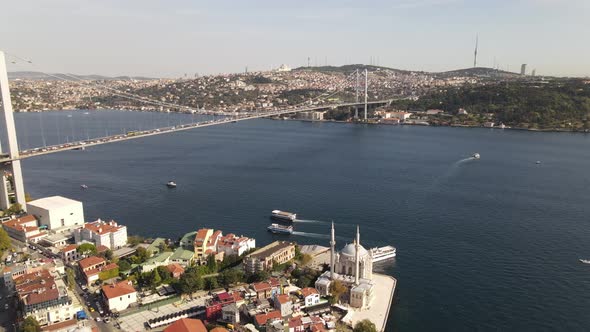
(379, 309)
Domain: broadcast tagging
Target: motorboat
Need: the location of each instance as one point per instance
(171, 184)
(280, 229)
(475, 155)
(283, 215)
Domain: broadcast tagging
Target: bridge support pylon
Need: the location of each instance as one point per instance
(13, 166)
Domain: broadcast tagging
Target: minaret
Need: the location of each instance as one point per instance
(332, 252)
(357, 244)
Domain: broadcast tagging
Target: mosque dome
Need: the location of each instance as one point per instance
(350, 251)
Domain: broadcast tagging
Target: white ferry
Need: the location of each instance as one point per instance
(383, 253)
(280, 229)
(282, 215)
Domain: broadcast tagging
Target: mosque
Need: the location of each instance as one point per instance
(353, 267)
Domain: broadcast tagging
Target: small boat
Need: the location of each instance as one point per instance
(171, 184)
(475, 156)
(280, 229)
(69, 115)
(283, 215)
(585, 261)
(538, 162)
(383, 253)
(83, 186)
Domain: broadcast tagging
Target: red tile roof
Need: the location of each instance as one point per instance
(186, 325)
(261, 319)
(175, 268)
(101, 227)
(283, 298)
(261, 286)
(307, 291)
(69, 248)
(119, 289)
(91, 261)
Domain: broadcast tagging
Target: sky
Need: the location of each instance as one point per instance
(176, 37)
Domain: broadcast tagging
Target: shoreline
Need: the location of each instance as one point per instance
(548, 130)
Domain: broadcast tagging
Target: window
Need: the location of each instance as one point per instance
(63, 223)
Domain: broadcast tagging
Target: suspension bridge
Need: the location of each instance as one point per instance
(10, 160)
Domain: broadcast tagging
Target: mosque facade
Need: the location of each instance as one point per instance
(353, 267)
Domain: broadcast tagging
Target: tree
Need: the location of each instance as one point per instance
(5, 243)
(258, 276)
(71, 279)
(141, 255)
(365, 325)
(15, 208)
(305, 259)
(86, 249)
(135, 240)
(337, 288)
(231, 276)
(211, 264)
(124, 265)
(303, 282)
(156, 279)
(108, 254)
(164, 273)
(211, 283)
(30, 324)
(190, 282)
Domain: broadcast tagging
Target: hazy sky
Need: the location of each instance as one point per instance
(173, 37)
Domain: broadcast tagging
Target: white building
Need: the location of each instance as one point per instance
(99, 232)
(24, 229)
(119, 296)
(284, 68)
(46, 297)
(57, 212)
(231, 244)
(311, 296)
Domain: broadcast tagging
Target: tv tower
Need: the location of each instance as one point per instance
(475, 54)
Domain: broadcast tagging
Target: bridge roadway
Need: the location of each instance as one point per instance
(4, 158)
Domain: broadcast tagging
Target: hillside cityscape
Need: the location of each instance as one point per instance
(470, 97)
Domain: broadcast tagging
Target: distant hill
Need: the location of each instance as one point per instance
(466, 72)
(34, 75)
(477, 72)
(350, 68)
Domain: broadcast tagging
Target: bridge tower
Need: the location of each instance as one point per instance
(12, 166)
(366, 91)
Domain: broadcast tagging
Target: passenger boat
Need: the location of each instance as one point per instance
(171, 184)
(282, 215)
(280, 229)
(383, 253)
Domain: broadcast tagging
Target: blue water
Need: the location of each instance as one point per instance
(483, 245)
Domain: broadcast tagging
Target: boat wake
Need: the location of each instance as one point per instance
(311, 221)
(313, 235)
(464, 160)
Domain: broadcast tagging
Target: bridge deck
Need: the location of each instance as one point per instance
(145, 133)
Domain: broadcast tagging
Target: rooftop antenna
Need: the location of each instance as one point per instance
(475, 53)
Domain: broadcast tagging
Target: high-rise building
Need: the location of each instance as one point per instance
(523, 69)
